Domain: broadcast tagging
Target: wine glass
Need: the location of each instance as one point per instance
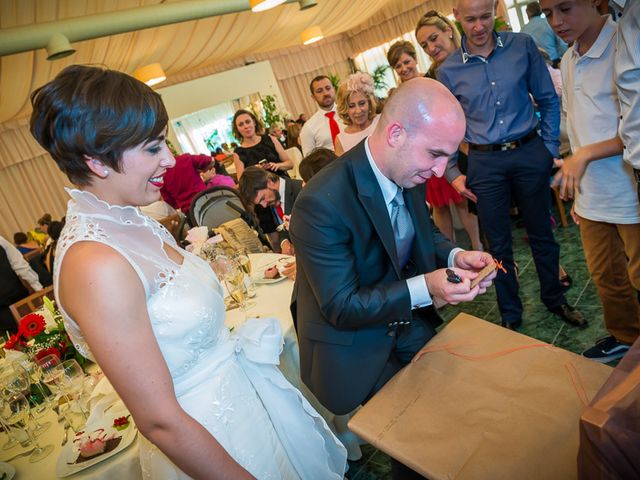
(35, 374)
(72, 381)
(17, 381)
(15, 410)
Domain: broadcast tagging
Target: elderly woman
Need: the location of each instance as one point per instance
(403, 59)
(357, 108)
(439, 38)
(256, 147)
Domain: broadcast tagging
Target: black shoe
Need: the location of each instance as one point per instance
(570, 315)
(512, 325)
(606, 350)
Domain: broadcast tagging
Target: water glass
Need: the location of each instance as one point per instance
(15, 411)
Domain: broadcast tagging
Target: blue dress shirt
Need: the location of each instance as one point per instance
(494, 92)
(545, 38)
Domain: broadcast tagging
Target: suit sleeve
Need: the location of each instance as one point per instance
(324, 251)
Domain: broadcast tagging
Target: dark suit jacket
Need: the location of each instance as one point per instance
(349, 286)
(267, 216)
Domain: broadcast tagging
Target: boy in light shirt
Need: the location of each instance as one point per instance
(606, 206)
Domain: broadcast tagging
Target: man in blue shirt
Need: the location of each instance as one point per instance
(492, 76)
(543, 34)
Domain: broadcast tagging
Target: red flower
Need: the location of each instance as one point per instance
(13, 341)
(32, 324)
(47, 351)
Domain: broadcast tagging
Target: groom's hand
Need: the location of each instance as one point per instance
(474, 261)
(441, 288)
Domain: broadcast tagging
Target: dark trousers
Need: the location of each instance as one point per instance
(523, 173)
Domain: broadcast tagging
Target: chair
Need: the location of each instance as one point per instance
(175, 224)
(294, 154)
(215, 206)
(29, 304)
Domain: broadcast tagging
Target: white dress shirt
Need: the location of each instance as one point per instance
(20, 265)
(316, 132)
(627, 72)
(418, 291)
(607, 192)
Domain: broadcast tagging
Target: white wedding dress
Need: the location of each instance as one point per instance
(228, 382)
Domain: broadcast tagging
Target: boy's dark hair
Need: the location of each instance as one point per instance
(315, 161)
(19, 238)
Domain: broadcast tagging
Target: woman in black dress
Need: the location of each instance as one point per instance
(257, 146)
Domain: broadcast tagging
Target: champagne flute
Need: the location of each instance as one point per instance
(15, 410)
(72, 381)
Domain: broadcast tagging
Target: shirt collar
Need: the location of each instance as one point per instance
(617, 5)
(463, 47)
(322, 112)
(602, 42)
(388, 187)
(281, 192)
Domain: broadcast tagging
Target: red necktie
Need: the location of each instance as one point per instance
(333, 125)
(280, 212)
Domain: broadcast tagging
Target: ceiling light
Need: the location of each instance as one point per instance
(304, 4)
(262, 5)
(311, 34)
(58, 47)
(150, 74)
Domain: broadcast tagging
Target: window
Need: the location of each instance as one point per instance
(516, 9)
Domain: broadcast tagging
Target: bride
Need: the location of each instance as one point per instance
(208, 404)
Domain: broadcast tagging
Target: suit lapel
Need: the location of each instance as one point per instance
(372, 200)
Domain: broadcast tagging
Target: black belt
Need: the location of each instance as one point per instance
(512, 145)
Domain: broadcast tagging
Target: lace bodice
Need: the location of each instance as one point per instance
(184, 301)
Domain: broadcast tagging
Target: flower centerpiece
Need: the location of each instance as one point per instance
(42, 333)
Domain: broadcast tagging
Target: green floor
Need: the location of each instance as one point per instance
(537, 321)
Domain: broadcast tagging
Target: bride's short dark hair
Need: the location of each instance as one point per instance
(95, 112)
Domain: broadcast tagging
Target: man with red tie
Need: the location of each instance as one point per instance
(324, 125)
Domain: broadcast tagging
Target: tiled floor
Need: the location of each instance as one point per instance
(537, 321)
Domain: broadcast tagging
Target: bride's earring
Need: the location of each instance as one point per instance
(106, 173)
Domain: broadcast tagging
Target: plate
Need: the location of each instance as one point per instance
(7, 472)
(69, 453)
(267, 281)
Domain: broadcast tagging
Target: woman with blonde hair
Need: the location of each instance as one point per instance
(356, 104)
(439, 38)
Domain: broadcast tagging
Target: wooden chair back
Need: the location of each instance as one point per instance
(30, 304)
(175, 224)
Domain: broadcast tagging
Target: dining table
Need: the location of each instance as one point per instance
(272, 299)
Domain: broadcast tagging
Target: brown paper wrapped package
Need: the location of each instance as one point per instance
(484, 402)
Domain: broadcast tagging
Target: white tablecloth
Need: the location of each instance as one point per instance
(271, 300)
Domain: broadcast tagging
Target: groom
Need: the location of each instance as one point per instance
(369, 260)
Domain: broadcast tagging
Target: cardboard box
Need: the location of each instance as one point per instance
(484, 402)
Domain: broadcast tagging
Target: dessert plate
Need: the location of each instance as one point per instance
(70, 452)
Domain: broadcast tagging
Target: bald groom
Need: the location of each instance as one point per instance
(370, 262)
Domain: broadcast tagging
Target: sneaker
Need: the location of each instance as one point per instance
(606, 350)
